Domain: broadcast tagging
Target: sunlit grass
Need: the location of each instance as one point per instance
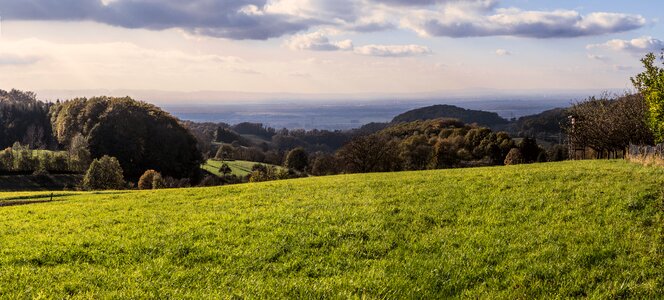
(573, 229)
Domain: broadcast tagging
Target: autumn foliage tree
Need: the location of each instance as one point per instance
(151, 179)
(514, 157)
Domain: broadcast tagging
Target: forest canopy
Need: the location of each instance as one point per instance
(24, 119)
(140, 135)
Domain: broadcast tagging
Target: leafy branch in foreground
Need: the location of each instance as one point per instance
(651, 85)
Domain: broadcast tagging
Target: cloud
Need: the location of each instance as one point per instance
(393, 50)
(317, 41)
(234, 19)
(636, 46)
(265, 19)
(454, 22)
(503, 52)
(9, 59)
(476, 3)
(601, 58)
(622, 68)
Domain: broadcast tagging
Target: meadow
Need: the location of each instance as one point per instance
(555, 230)
(240, 168)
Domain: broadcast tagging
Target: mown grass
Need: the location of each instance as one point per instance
(573, 229)
(240, 168)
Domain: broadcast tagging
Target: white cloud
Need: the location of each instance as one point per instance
(503, 52)
(454, 22)
(637, 46)
(598, 57)
(317, 41)
(12, 59)
(393, 50)
(264, 19)
(622, 68)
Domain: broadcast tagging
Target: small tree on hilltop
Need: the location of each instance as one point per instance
(225, 169)
(104, 174)
(151, 179)
(514, 157)
(297, 159)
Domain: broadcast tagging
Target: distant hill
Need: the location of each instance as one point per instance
(468, 116)
(545, 126)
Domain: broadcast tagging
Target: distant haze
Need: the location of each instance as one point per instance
(331, 111)
(325, 47)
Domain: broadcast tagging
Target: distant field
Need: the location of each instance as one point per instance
(573, 229)
(240, 167)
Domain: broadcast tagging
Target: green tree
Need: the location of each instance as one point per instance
(7, 160)
(415, 152)
(24, 159)
(140, 135)
(79, 154)
(529, 150)
(225, 169)
(325, 164)
(651, 85)
(104, 174)
(297, 159)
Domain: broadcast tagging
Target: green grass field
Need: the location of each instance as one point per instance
(573, 229)
(240, 167)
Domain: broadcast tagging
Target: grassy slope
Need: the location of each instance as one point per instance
(239, 167)
(39, 183)
(591, 228)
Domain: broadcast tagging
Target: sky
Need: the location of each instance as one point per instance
(325, 46)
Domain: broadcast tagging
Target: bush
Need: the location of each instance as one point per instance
(273, 173)
(40, 172)
(151, 179)
(104, 174)
(297, 159)
(514, 157)
(325, 164)
(172, 183)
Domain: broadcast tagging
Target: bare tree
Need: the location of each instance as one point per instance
(373, 153)
(609, 125)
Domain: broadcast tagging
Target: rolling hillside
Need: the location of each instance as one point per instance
(239, 167)
(573, 229)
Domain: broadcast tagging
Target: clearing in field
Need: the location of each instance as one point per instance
(572, 229)
(240, 168)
